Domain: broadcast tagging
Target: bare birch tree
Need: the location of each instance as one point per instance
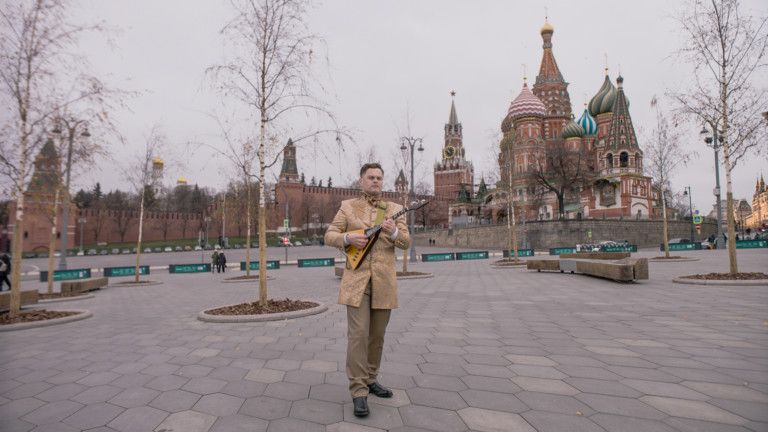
(38, 52)
(727, 51)
(139, 174)
(664, 156)
(270, 73)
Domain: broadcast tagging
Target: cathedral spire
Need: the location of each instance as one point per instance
(621, 133)
(289, 173)
(550, 86)
(548, 71)
(453, 119)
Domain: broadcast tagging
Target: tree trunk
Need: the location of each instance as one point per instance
(18, 230)
(561, 205)
(733, 265)
(138, 241)
(52, 243)
(262, 216)
(665, 228)
(247, 226)
(405, 251)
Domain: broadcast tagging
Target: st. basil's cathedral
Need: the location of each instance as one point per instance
(540, 132)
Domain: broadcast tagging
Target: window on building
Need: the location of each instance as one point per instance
(609, 160)
(624, 159)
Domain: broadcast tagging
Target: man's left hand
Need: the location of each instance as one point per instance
(388, 226)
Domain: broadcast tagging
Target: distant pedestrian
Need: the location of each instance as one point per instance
(222, 262)
(5, 268)
(214, 261)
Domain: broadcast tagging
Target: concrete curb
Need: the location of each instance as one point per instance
(65, 299)
(134, 284)
(83, 314)
(673, 260)
(424, 276)
(754, 282)
(509, 266)
(203, 316)
(245, 280)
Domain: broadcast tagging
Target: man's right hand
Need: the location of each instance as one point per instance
(357, 240)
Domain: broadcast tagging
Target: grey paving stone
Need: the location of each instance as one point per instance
(61, 392)
(266, 408)
(132, 380)
(193, 371)
(697, 410)
(330, 393)
(352, 427)
(493, 401)
(754, 411)
(439, 382)
(94, 415)
(544, 385)
(588, 372)
(436, 398)
(620, 406)
(100, 393)
(134, 397)
(219, 404)
(139, 419)
(615, 423)
(431, 418)
(204, 385)
(19, 407)
(52, 412)
(55, 427)
(292, 424)
(27, 390)
(228, 373)
(175, 401)
(380, 417)
(244, 389)
(726, 391)
(16, 425)
(656, 388)
(643, 374)
(67, 377)
(499, 385)
(287, 391)
(239, 423)
(187, 421)
(167, 382)
(494, 421)
(317, 411)
(554, 403)
(691, 425)
(551, 422)
(537, 371)
(611, 388)
(301, 376)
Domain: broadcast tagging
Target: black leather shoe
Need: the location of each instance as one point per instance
(361, 406)
(379, 390)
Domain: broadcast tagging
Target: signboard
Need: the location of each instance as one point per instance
(189, 268)
(63, 275)
(562, 250)
(472, 255)
(317, 262)
(619, 248)
(698, 219)
(271, 265)
(125, 271)
(682, 246)
(520, 253)
(447, 256)
(285, 223)
(751, 244)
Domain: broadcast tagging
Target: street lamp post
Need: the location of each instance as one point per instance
(71, 126)
(690, 206)
(405, 144)
(715, 141)
(82, 223)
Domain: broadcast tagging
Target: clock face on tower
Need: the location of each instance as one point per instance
(449, 152)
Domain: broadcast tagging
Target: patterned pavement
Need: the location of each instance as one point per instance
(474, 348)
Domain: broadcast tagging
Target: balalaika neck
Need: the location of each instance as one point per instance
(374, 229)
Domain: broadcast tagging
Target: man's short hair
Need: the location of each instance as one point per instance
(370, 165)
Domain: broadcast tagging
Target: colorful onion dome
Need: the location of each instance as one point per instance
(526, 104)
(602, 102)
(588, 123)
(572, 130)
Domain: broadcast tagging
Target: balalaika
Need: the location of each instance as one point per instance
(356, 256)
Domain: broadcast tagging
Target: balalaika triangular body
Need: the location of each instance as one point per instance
(356, 256)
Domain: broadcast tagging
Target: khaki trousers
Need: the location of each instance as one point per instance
(365, 342)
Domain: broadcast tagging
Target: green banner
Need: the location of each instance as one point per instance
(271, 265)
(189, 268)
(317, 262)
(63, 275)
(520, 253)
(562, 250)
(448, 256)
(681, 246)
(125, 271)
(751, 244)
(619, 248)
(472, 255)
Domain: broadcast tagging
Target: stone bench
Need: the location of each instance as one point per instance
(598, 255)
(623, 270)
(82, 286)
(27, 298)
(543, 264)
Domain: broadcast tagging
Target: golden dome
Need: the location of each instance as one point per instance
(157, 161)
(547, 27)
(182, 181)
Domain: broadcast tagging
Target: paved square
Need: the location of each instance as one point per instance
(474, 348)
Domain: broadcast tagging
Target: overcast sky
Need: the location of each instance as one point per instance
(395, 59)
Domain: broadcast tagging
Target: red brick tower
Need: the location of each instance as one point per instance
(453, 170)
(551, 88)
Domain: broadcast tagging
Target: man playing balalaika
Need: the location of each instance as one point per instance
(369, 284)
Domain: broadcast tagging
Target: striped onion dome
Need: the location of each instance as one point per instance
(526, 104)
(588, 123)
(572, 130)
(602, 102)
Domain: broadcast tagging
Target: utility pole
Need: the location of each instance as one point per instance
(405, 144)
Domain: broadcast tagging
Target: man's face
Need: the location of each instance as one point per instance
(371, 181)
